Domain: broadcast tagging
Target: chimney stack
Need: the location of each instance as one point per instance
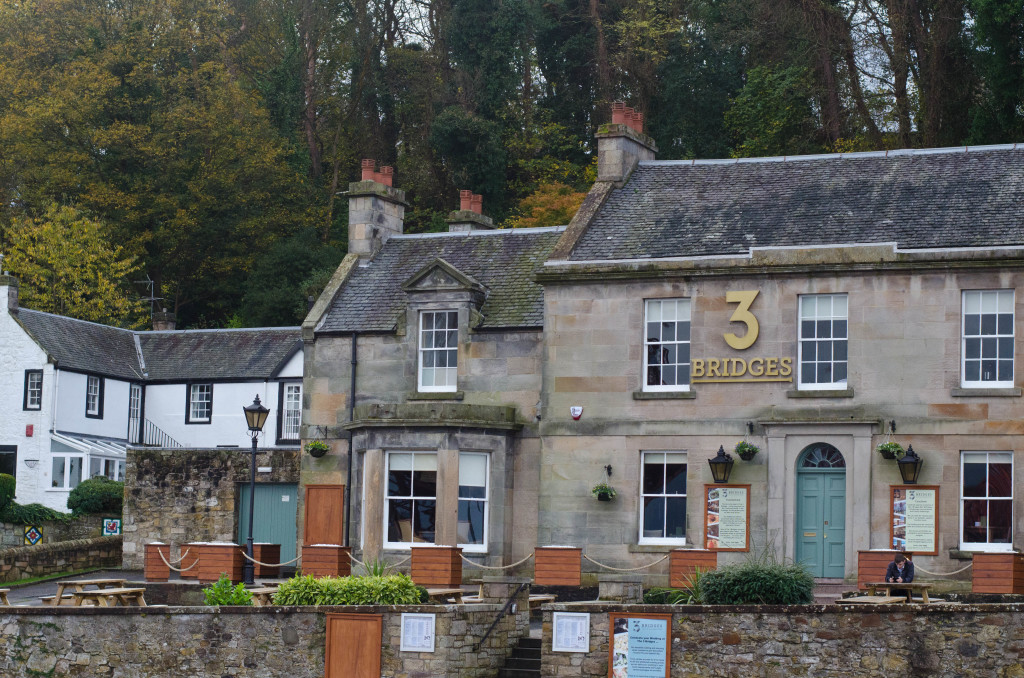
(9, 289)
(163, 321)
(622, 144)
(376, 210)
(469, 216)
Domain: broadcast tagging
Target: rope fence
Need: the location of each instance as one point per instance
(293, 560)
(385, 564)
(495, 567)
(626, 569)
(918, 568)
(177, 569)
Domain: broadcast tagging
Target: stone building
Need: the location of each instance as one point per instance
(812, 306)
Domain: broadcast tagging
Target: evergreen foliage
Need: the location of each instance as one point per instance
(222, 592)
(388, 589)
(98, 495)
(7, 490)
(758, 582)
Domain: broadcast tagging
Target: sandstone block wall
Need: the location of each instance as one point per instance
(776, 641)
(67, 556)
(86, 527)
(279, 642)
(186, 495)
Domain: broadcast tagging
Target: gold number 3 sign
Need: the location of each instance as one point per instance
(743, 315)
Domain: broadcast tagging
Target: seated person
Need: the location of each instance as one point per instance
(900, 571)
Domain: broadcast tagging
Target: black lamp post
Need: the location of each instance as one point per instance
(255, 417)
(721, 466)
(910, 466)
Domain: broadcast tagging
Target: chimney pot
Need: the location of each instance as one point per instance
(465, 200)
(619, 113)
(386, 175)
(367, 166)
(477, 203)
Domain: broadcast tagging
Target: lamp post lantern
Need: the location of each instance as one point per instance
(255, 417)
(910, 466)
(721, 466)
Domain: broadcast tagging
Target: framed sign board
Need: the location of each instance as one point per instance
(417, 632)
(915, 519)
(570, 632)
(640, 646)
(727, 517)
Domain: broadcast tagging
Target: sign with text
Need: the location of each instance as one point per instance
(570, 632)
(639, 646)
(417, 632)
(915, 518)
(727, 517)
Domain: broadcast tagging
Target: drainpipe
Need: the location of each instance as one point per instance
(351, 436)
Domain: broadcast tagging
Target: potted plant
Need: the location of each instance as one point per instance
(317, 448)
(603, 492)
(746, 450)
(890, 450)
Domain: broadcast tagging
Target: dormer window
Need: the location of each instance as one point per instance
(438, 353)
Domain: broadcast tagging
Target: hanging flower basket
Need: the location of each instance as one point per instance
(890, 450)
(746, 450)
(603, 492)
(317, 448)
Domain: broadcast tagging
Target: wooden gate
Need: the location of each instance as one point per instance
(353, 645)
(324, 515)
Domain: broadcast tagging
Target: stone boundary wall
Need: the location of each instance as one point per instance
(184, 495)
(815, 640)
(66, 556)
(12, 535)
(265, 642)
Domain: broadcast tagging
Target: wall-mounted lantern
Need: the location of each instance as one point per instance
(721, 466)
(910, 466)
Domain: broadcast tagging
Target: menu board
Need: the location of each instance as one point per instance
(727, 518)
(915, 518)
(639, 646)
(417, 632)
(570, 632)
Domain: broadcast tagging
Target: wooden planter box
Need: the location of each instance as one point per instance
(218, 559)
(192, 553)
(326, 561)
(871, 565)
(154, 568)
(682, 563)
(998, 573)
(437, 566)
(557, 566)
(266, 553)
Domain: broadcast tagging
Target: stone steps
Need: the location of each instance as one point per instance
(524, 662)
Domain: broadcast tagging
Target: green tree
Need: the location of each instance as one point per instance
(66, 265)
(772, 114)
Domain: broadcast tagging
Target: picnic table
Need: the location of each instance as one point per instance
(79, 585)
(111, 597)
(443, 595)
(910, 588)
(263, 596)
(3, 596)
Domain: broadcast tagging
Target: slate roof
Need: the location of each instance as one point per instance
(504, 261)
(84, 346)
(918, 199)
(216, 355)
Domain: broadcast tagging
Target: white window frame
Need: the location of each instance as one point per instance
(193, 391)
(1003, 301)
(291, 417)
(33, 390)
(67, 457)
(802, 342)
(110, 467)
(656, 311)
(135, 402)
(1000, 456)
(405, 545)
(428, 346)
(641, 539)
(93, 396)
(482, 547)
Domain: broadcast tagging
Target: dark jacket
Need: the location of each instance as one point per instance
(892, 572)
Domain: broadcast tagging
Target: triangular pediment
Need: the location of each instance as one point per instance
(438, 276)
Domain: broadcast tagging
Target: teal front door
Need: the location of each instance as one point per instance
(274, 511)
(821, 510)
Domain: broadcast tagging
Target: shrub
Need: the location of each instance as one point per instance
(32, 514)
(392, 589)
(757, 582)
(692, 593)
(222, 592)
(97, 495)
(7, 485)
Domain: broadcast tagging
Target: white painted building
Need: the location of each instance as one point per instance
(76, 394)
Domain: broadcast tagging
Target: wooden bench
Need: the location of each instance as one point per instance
(112, 597)
(540, 599)
(3, 596)
(263, 596)
(910, 588)
(66, 598)
(446, 595)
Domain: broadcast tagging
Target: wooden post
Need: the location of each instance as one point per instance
(326, 560)
(154, 568)
(998, 573)
(682, 563)
(220, 558)
(437, 566)
(557, 565)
